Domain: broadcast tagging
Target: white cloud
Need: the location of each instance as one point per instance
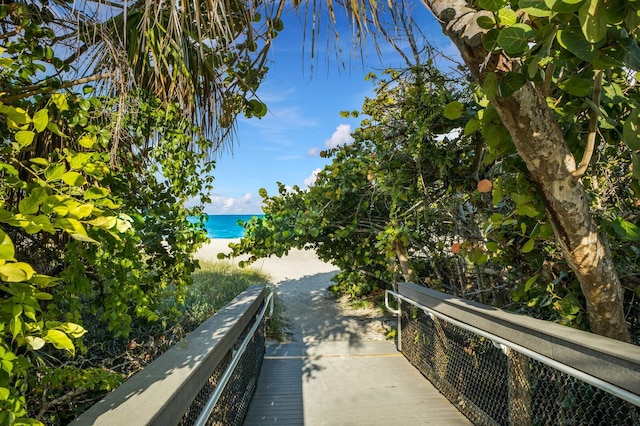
(341, 136)
(312, 178)
(313, 152)
(247, 204)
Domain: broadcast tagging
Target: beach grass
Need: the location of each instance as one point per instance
(217, 283)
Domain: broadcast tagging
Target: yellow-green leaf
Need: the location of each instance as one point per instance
(73, 330)
(53, 127)
(77, 160)
(41, 119)
(81, 211)
(74, 228)
(528, 246)
(7, 249)
(54, 172)
(60, 100)
(87, 141)
(59, 340)
(16, 272)
(104, 222)
(73, 179)
(95, 193)
(35, 342)
(24, 137)
(530, 282)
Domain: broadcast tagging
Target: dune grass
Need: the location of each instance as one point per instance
(217, 283)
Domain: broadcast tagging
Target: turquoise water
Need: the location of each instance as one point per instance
(226, 225)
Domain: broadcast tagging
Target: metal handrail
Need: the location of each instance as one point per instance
(503, 344)
(213, 399)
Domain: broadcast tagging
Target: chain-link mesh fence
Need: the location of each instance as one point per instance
(492, 387)
(234, 402)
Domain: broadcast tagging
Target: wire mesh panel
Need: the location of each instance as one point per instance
(234, 402)
(492, 386)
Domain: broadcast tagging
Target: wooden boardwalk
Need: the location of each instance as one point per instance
(340, 383)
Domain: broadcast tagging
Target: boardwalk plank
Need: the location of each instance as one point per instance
(341, 384)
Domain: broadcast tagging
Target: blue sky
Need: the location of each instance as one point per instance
(303, 116)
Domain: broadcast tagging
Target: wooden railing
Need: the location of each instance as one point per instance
(176, 387)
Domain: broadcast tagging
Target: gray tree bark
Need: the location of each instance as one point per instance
(540, 142)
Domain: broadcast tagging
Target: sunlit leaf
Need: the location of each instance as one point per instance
(536, 8)
(575, 42)
(25, 137)
(16, 272)
(593, 21)
(7, 249)
(626, 229)
(41, 119)
(453, 110)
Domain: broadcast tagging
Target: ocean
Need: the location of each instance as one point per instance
(226, 225)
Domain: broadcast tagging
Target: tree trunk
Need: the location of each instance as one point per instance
(540, 142)
(408, 273)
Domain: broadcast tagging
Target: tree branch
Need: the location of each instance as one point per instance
(593, 127)
(38, 89)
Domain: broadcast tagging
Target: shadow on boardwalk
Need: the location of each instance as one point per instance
(339, 370)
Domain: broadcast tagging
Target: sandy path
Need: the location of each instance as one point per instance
(301, 281)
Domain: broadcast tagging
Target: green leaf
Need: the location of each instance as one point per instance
(514, 39)
(41, 119)
(35, 342)
(537, 8)
(87, 141)
(81, 211)
(59, 340)
(528, 246)
(78, 160)
(16, 272)
(507, 16)
(18, 115)
(54, 172)
(614, 11)
(104, 222)
(492, 247)
(530, 281)
(492, 5)
(576, 86)
(95, 193)
(25, 138)
(31, 204)
(73, 330)
(593, 22)
(631, 130)
(573, 40)
(486, 22)
(510, 83)
(626, 230)
(453, 110)
(39, 161)
(472, 126)
(74, 228)
(490, 40)
(490, 85)
(7, 249)
(564, 6)
(527, 210)
(60, 101)
(73, 179)
(631, 56)
(53, 127)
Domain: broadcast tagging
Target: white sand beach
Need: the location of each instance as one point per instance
(301, 281)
